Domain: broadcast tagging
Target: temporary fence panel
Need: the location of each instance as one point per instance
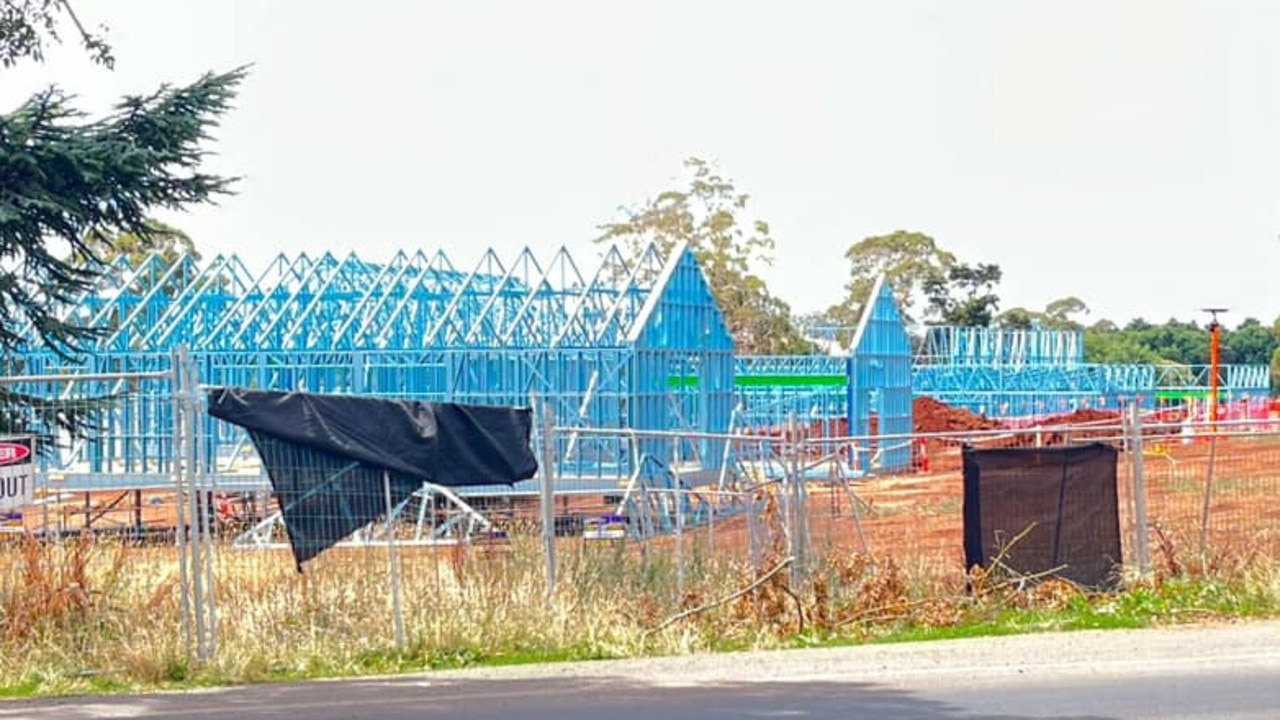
(104, 542)
(1044, 511)
(1211, 490)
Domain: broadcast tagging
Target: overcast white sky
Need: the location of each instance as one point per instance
(1124, 152)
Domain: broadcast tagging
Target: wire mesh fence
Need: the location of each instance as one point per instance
(97, 544)
(102, 452)
(1212, 490)
(171, 530)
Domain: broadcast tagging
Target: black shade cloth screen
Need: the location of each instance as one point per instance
(327, 455)
(1068, 493)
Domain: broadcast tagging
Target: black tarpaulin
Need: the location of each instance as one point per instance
(327, 455)
(1068, 493)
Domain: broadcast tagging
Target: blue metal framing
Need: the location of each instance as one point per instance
(636, 343)
(1016, 373)
(995, 371)
(602, 348)
(790, 364)
(133, 438)
(997, 346)
(691, 389)
(781, 391)
(875, 379)
(880, 380)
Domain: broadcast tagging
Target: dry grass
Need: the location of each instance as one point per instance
(95, 615)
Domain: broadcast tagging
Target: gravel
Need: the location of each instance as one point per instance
(1199, 648)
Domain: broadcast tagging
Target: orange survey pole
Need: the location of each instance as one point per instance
(1215, 355)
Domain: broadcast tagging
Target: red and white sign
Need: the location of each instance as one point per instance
(14, 453)
(17, 472)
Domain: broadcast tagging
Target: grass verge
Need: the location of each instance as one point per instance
(92, 617)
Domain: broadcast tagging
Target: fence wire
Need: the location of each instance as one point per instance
(166, 528)
(95, 548)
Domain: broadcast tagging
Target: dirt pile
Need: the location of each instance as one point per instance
(1082, 416)
(1085, 423)
(931, 416)
(1092, 424)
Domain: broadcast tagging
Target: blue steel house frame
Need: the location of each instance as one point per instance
(1004, 372)
(999, 372)
(635, 343)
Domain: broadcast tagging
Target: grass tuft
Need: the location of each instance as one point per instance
(93, 616)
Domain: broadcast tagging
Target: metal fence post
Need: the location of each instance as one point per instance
(718, 496)
(206, 479)
(548, 497)
(1208, 491)
(802, 498)
(1139, 488)
(678, 499)
(179, 489)
(397, 609)
(793, 491)
(196, 539)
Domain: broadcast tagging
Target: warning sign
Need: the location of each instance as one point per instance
(17, 473)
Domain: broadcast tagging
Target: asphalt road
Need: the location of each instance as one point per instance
(1220, 673)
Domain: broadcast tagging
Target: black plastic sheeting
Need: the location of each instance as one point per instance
(327, 455)
(1070, 495)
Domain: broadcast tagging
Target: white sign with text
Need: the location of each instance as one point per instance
(17, 472)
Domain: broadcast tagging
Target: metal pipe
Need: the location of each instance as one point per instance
(397, 608)
(72, 378)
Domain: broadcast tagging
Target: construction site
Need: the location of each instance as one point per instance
(647, 420)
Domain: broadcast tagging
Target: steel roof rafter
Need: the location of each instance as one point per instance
(383, 286)
(134, 278)
(326, 264)
(255, 298)
(539, 294)
(488, 266)
(305, 317)
(423, 296)
(178, 271)
(507, 284)
(399, 293)
(114, 276)
(632, 296)
(590, 297)
(192, 302)
(553, 297)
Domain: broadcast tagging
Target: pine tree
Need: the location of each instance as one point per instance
(67, 180)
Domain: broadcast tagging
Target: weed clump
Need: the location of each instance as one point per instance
(90, 614)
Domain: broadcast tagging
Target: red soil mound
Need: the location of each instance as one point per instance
(1081, 416)
(930, 416)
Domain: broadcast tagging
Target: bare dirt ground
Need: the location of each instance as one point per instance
(920, 516)
(99, 510)
(917, 518)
